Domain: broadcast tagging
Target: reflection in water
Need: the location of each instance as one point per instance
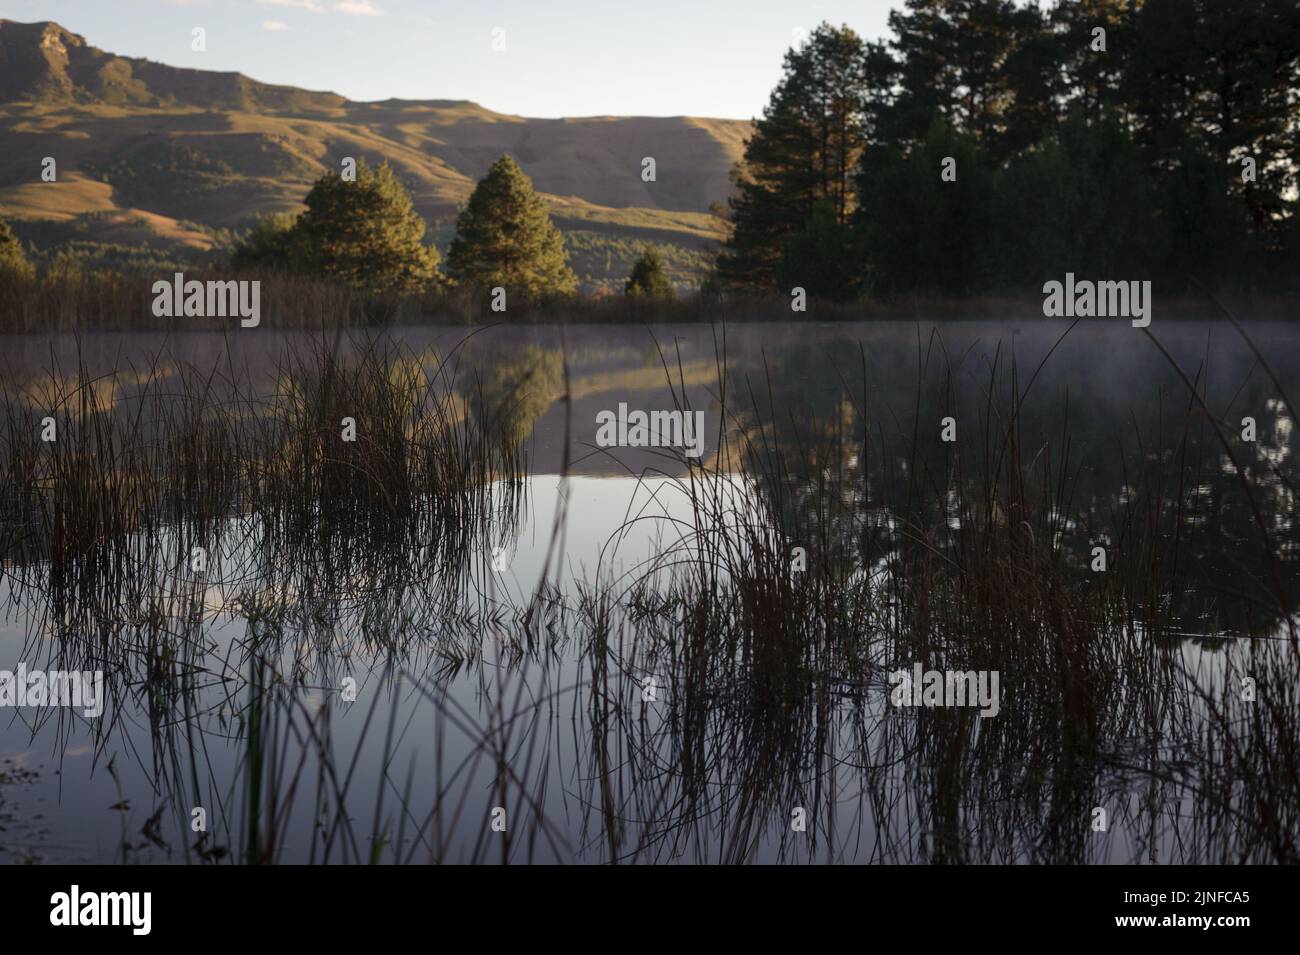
(637, 656)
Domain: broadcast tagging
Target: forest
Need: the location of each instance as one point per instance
(988, 146)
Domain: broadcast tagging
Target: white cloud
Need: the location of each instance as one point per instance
(311, 6)
(359, 8)
(274, 25)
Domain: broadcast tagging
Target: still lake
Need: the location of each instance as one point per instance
(532, 691)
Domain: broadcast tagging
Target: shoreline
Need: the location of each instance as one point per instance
(114, 302)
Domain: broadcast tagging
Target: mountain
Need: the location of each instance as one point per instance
(171, 157)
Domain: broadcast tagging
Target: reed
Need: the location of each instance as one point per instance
(367, 561)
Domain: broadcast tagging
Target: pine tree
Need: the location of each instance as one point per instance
(1220, 77)
(648, 277)
(954, 65)
(367, 232)
(803, 150)
(1091, 78)
(505, 237)
(12, 258)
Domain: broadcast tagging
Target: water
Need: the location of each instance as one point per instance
(543, 663)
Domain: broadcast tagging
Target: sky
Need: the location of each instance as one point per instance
(560, 58)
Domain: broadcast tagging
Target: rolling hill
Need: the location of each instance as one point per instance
(178, 158)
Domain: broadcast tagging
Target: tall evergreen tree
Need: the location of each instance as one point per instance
(505, 237)
(804, 149)
(1090, 78)
(367, 232)
(1034, 82)
(1221, 77)
(953, 65)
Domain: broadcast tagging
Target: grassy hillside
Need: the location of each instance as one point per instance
(173, 156)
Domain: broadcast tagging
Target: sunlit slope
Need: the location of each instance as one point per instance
(187, 149)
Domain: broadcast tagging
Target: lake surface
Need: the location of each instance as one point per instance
(597, 649)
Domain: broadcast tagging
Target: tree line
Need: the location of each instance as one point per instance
(364, 231)
(988, 146)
